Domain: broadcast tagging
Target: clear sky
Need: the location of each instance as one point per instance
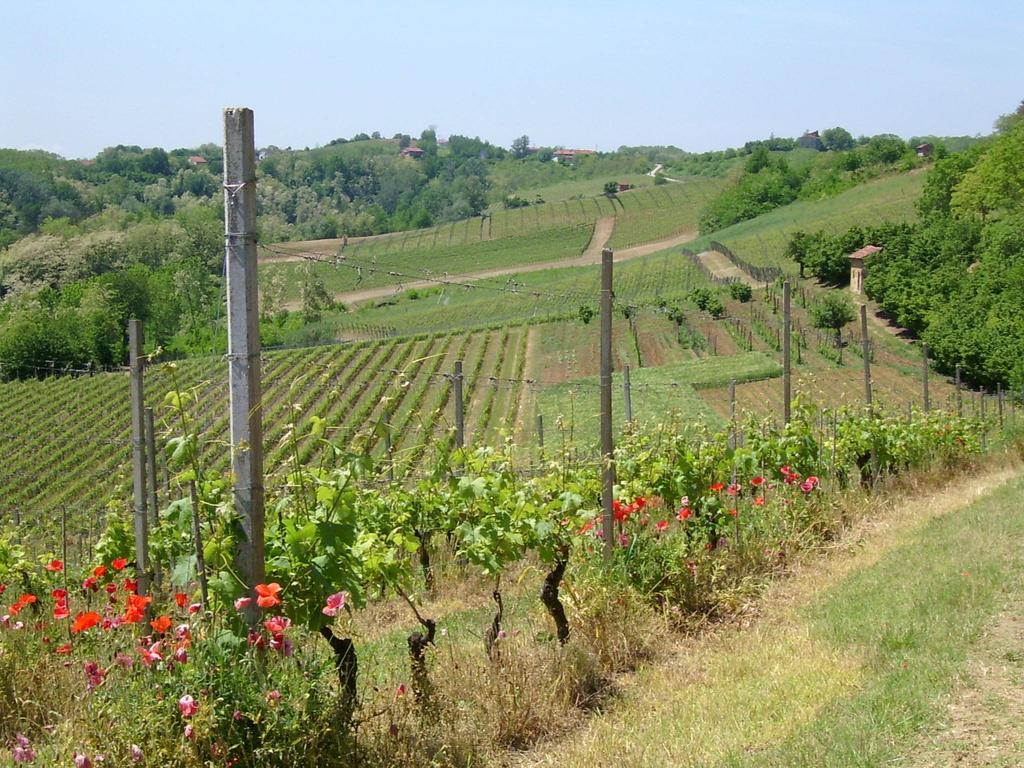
(78, 76)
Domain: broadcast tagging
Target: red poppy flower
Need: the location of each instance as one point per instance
(131, 585)
(684, 514)
(119, 563)
(267, 595)
(161, 624)
(64, 649)
(3, 588)
(136, 610)
(180, 598)
(61, 611)
(90, 583)
(54, 566)
(59, 595)
(111, 588)
(275, 625)
(757, 482)
(733, 512)
(661, 525)
(84, 621)
(99, 571)
(734, 489)
(717, 487)
(759, 501)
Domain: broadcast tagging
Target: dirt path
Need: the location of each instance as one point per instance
(602, 233)
(720, 266)
(743, 686)
(588, 259)
(528, 373)
(981, 727)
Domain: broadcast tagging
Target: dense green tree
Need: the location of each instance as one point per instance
(832, 312)
(521, 147)
(837, 139)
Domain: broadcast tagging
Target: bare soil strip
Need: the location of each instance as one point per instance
(602, 233)
(720, 266)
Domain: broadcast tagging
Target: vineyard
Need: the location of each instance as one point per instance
(398, 622)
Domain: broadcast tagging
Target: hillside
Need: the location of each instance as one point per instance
(525, 352)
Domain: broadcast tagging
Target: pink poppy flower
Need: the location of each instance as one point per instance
(335, 603)
(187, 706)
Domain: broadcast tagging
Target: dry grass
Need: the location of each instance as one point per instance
(748, 683)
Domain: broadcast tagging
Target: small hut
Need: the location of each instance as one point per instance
(858, 270)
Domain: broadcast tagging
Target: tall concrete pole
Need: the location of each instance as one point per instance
(244, 384)
(135, 363)
(607, 446)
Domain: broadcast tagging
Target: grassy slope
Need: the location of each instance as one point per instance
(762, 240)
(848, 663)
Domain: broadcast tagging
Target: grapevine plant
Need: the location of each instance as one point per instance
(690, 513)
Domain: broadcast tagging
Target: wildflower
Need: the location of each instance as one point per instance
(59, 595)
(23, 601)
(151, 655)
(187, 706)
(623, 540)
(189, 731)
(54, 566)
(136, 609)
(273, 696)
(813, 480)
(587, 526)
(123, 660)
(759, 501)
(661, 525)
(684, 514)
(63, 650)
(400, 691)
(734, 489)
(3, 587)
(161, 624)
(757, 482)
(119, 563)
(85, 621)
(195, 608)
(90, 583)
(256, 639)
(94, 674)
(99, 571)
(111, 588)
(242, 603)
(61, 610)
(131, 585)
(806, 486)
(268, 595)
(733, 512)
(620, 511)
(180, 598)
(275, 625)
(82, 761)
(23, 752)
(335, 603)
(181, 655)
(237, 715)
(136, 753)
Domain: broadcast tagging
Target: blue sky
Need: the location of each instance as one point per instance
(701, 75)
